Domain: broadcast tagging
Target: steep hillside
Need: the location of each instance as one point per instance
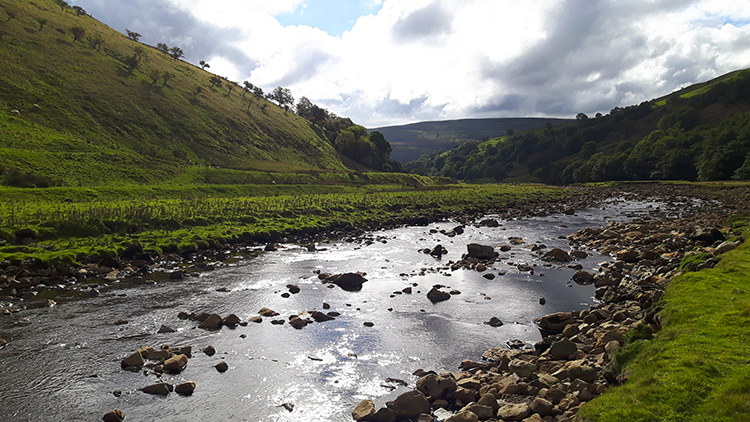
(82, 104)
(699, 133)
(411, 141)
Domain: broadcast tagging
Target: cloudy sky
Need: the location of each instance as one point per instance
(385, 62)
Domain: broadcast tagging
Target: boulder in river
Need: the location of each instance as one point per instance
(268, 312)
(321, 317)
(114, 416)
(212, 322)
(221, 366)
(557, 254)
(480, 251)
(436, 295)
(185, 388)
(351, 282)
(175, 363)
(364, 411)
(159, 389)
(133, 360)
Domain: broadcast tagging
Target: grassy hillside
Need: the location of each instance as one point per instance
(411, 141)
(99, 111)
(702, 133)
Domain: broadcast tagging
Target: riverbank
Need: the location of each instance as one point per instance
(585, 353)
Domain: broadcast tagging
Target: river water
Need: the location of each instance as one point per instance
(63, 363)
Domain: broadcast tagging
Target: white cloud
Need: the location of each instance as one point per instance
(438, 59)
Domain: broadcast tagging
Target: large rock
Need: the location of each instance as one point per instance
(522, 368)
(133, 360)
(480, 251)
(490, 400)
(557, 254)
(297, 323)
(707, 234)
(563, 349)
(580, 370)
(465, 416)
(185, 388)
(351, 282)
(321, 317)
(542, 406)
(480, 411)
(514, 412)
(436, 295)
(364, 411)
(583, 277)
(231, 320)
(268, 312)
(436, 386)
(554, 323)
(175, 363)
(114, 416)
(159, 389)
(410, 405)
(212, 322)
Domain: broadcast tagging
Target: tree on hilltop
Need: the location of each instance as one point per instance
(203, 64)
(176, 52)
(248, 88)
(133, 35)
(163, 48)
(80, 11)
(282, 96)
(258, 92)
(230, 87)
(62, 3)
(77, 33)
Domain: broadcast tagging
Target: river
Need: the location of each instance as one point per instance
(63, 363)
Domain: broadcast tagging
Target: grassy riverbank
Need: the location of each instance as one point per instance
(696, 368)
(51, 231)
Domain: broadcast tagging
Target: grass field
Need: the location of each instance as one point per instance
(697, 367)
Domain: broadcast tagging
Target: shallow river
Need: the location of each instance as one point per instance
(63, 363)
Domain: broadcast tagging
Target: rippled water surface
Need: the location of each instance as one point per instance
(63, 363)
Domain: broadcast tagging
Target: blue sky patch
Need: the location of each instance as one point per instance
(331, 16)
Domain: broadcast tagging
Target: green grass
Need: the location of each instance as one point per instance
(96, 227)
(696, 368)
(97, 124)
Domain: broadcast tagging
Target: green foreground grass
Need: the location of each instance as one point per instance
(195, 218)
(697, 368)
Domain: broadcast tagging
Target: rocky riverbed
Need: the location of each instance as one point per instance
(533, 379)
(572, 364)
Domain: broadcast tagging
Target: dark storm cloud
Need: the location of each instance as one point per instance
(430, 21)
(160, 22)
(588, 45)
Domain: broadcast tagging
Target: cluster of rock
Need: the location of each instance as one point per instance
(571, 365)
(300, 320)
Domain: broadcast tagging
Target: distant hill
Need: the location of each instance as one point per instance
(82, 104)
(410, 141)
(701, 132)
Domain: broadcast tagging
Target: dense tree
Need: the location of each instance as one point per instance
(247, 87)
(258, 92)
(77, 33)
(370, 150)
(282, 96)
(133, 35)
